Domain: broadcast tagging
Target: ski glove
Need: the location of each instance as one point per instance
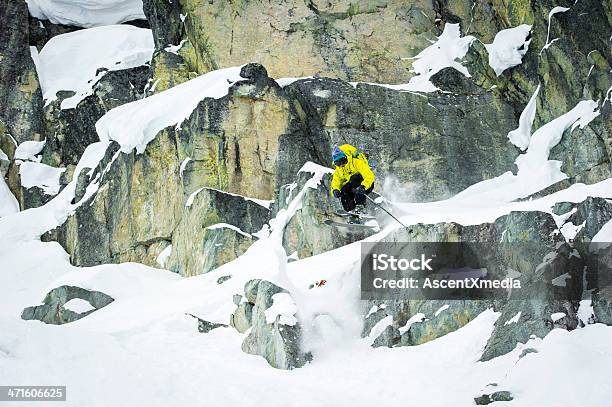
(336, 193)
(360, 190)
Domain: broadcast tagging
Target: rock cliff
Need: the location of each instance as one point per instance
(314, 74)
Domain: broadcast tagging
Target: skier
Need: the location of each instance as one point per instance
(352, 179)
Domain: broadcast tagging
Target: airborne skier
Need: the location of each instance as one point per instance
(353, 178)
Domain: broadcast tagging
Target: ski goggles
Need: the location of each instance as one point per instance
(341, 162)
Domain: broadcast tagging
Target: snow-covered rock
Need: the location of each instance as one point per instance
(75, 61)
(509, 47)
(275, 333)
(134, 125)
(86, 13)
(41, 175)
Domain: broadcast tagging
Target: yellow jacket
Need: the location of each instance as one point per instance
(357, 163)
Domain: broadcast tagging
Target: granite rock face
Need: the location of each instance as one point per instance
(349, 40)
(20, 95)
(141, 206)
(421, 141)
(217, 227)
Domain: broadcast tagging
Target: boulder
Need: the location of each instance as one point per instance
(204, 326)
(486, 399)
(53, 310)
(278, 341)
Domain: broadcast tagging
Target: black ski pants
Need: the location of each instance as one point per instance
(348, 198)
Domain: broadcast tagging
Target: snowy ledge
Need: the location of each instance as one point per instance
(86, 13)
(135, 124)
(76, 61)
(228, 226)
(261, 202)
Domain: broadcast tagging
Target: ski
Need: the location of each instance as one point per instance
(346, 214)
(350, 226)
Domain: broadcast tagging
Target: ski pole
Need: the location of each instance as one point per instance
(388, 213)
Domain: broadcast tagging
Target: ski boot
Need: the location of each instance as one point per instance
(355, 215)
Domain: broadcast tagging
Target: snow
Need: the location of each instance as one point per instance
(175, 48)
(3, 156)
(521, 136)
(31, 223)
(449, 47)
(557, 316)
(78, 305)
(535, 171)
(261, 202)
(549, 135)
(552, 12)
(41, 175)
(284, 308)
(192, 197)
(183, 166)
(379, 327)
(28, 150)
(134, 125)
(584, 352)
(569, 230)
(315, 169)
(508, 48)
(604, 235)
(585, 309)
(443, 53)
(322, 93)
(8, 203)
(442, 308)
(162, 257)
(373, 310)
(418, 317)
(228, 226)
(72, 61)
(86, 13)
(514, 319)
